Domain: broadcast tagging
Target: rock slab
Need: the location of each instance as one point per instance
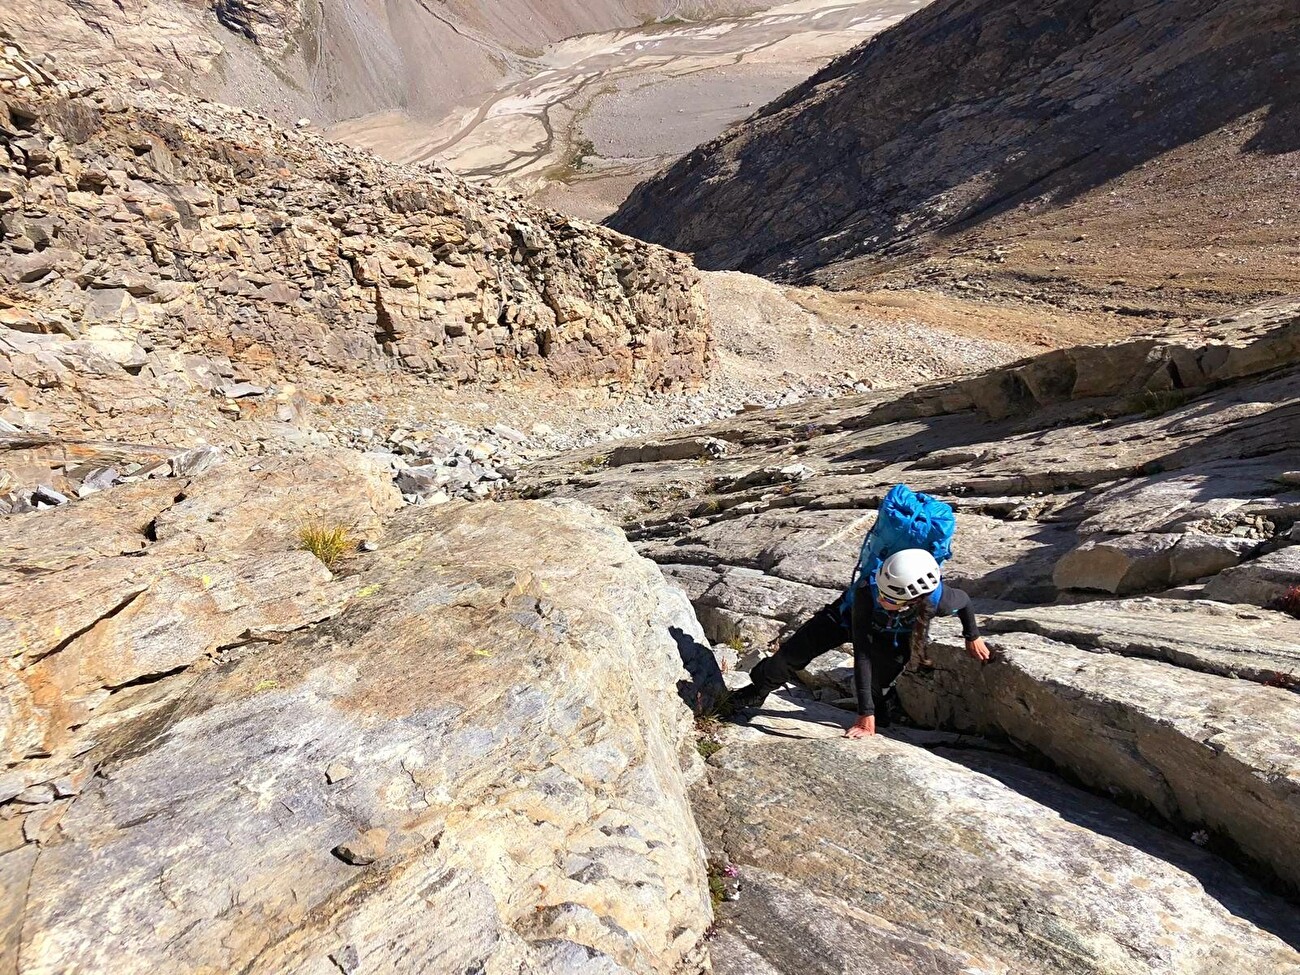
(502, 686)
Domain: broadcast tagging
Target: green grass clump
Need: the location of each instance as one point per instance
(717, 889)
(707, 747)
(720, 871)
(708, 722)
(329, 543)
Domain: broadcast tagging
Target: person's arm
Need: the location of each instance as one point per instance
(955, 602)
(861, 628)
(862, 681)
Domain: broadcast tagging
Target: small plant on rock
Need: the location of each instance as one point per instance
(1289, 602)
(724, 882)
(329, 543)
(708, 721)
(707, 747)
(717, 889)
(1156, 402)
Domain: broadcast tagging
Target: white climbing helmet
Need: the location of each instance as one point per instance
(908, 575)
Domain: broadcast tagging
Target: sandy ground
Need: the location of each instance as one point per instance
(768, 334)
(603, 111)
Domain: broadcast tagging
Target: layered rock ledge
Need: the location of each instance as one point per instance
(914, 853)
(148, 231)
(1162, 468)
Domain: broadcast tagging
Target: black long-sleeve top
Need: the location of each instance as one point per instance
(881, 639)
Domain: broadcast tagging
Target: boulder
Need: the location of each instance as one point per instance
(746, 604)
(196, 461)
(1262, 581)
(1147, 561)
(502, 688)
(423, 480)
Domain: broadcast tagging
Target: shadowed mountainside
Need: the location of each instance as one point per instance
(1065, 137)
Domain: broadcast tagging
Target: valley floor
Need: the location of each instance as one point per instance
(602, 112)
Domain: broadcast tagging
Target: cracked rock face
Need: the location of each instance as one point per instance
(1175, 703)
(476, 761)
(181, 570)
(1211, 752)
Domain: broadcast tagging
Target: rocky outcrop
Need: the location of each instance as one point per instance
(1044, 148)
(269, 24)
(176, 274)
(1197, 634)
(178, 571)
(1264, 581)
(464, 751)
(1045, 461)
(146, 222)
(1204, 751)
(1175, 704)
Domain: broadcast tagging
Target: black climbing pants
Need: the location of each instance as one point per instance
(878, 656)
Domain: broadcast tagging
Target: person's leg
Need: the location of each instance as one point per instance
(824, 631)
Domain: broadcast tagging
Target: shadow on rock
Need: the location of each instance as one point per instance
(1220, 880)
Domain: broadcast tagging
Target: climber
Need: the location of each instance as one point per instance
(887, 618)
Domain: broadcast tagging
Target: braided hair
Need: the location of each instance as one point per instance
(921, 628)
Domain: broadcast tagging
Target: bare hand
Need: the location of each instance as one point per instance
(864, 726)
(978, 649)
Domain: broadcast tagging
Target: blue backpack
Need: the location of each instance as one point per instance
(905, 520)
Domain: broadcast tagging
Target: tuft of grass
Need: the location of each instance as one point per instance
(708, 722)
(1289, 602)
(738, 643)
(593, 463)
(717, 889)
(328, 542)
(719, 873)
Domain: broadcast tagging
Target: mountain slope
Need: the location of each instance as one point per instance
(1126, 514)
(326, 59)
(979, 124)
